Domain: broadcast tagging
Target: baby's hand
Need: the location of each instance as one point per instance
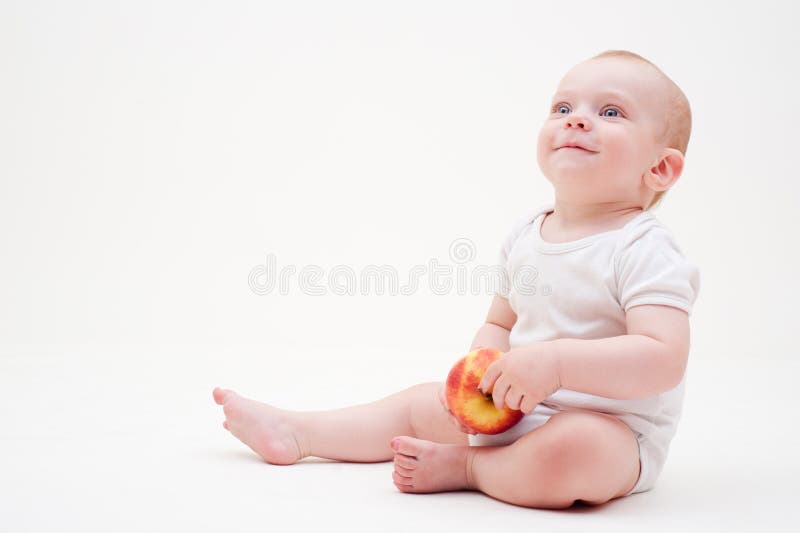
(453, 419)
(523, 377)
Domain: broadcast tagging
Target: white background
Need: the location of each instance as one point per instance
(153, 153)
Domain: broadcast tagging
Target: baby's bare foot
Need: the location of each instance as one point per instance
(267, 430)
(425, 466)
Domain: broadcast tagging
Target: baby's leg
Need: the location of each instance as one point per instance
(576, 455)
(360, 433)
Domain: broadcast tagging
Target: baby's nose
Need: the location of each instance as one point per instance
(575, 121)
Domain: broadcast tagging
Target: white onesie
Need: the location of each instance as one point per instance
(581, 289)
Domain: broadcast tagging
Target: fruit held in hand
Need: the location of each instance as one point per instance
(472, 408)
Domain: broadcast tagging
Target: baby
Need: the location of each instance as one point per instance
(595, 355)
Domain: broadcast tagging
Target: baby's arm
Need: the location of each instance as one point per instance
(493, 334)
(649, 360)
(499, 321)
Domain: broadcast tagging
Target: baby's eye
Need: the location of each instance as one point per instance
(561, 108)
(610, 112)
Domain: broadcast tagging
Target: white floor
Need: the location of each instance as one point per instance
(124, 439)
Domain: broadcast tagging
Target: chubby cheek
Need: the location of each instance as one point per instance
(544, 145)
(623, 153)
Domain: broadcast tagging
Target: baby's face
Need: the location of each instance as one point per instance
(601, 134)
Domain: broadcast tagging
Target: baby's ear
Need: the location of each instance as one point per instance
(665, 171)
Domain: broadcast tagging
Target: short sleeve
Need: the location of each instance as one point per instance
(652, 270)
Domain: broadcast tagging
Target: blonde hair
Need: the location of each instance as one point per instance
(677, 118)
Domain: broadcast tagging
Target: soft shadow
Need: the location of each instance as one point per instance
(251, 457)
(577, 508)
(581, 507)
(237, 455)
(318, 460)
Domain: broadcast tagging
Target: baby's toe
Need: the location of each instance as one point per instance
(401, 481)
(405, 461)
(407, 445)
(403, 471)
(222, 395)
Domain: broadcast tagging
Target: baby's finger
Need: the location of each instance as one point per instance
(487, 382)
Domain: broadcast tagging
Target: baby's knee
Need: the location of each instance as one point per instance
(427, 389)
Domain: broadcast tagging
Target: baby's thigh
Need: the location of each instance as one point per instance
(428, 417)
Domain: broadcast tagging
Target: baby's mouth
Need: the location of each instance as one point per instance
(580, 148)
